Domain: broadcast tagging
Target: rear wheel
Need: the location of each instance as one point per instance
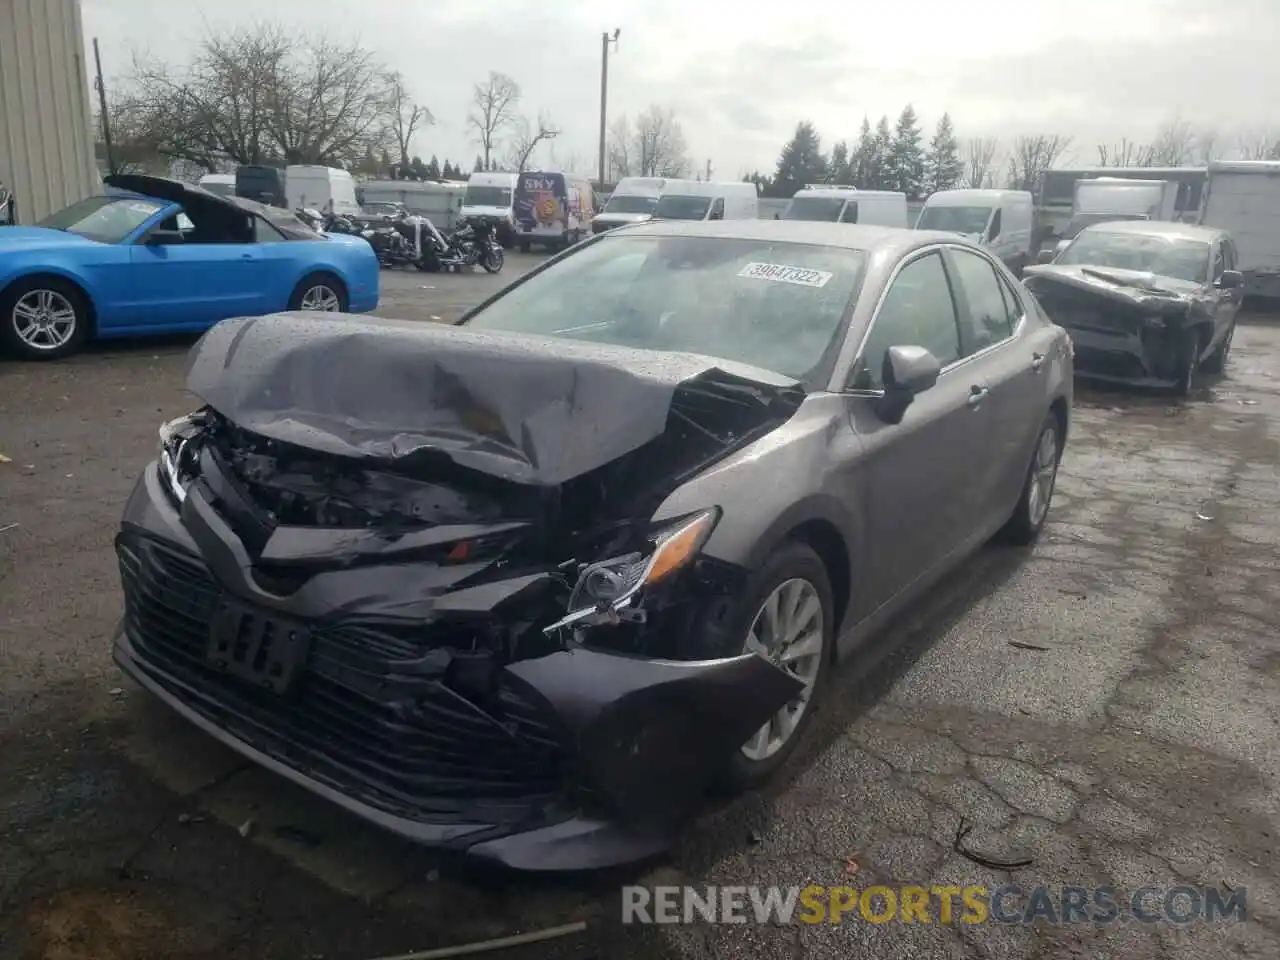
(320, 293)
(493, 259)
(1216, 362)
(43, 318)
(1031, 513)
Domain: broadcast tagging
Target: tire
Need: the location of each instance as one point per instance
(58, 307)
(493, 260)
(317, 288)
(1188, 362)
(791, 562)
(1216, 362)
(1032, 512)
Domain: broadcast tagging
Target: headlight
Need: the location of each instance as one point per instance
(607, 591)
(177, 453)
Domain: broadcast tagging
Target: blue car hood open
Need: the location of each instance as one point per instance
(33, 238)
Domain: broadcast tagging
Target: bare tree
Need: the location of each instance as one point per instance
(1031, 156)
(1174, 145)
(980, 165)
(494, 104)
(258, 95)
(525, 137)
(619, 146)
(659, 147)
(1208, 145)
(1128, 153)
(406, 115)
(1259, 143)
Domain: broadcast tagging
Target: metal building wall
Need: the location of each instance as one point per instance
(46, 145)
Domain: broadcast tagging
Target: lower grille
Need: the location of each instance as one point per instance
(433, 756)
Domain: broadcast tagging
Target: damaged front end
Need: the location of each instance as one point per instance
(1125, 325)
(427, 633)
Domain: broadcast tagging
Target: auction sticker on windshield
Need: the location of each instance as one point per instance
(781, 273)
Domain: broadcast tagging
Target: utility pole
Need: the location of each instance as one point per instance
(102, 106)
(605, 40)
(708, 171)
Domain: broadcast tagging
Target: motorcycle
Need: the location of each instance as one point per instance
(8, 207)
(312, 217)
(474, 242)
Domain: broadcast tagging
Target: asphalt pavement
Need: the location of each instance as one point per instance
(1100, 710)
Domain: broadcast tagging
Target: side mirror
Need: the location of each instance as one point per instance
(1047, 255)
(164, 237)
(907, 371)
(1231, 280)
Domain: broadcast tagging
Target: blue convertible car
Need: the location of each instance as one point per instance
(160, 256)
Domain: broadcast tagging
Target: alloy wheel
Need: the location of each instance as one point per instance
(44, 319)
(322, 299)
(788, 630)
(1044, 474)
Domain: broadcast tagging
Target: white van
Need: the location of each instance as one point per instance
(633, 200)
(223, 184)
(708, 200)
(326, 189)
(840, 204)
(492, 195)
(1001, 220)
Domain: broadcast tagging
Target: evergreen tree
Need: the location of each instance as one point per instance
(905, 166)
(838, 170)
(879, 176)
(479, 167)
(943, 167)
(801, 161)
(433, 169)
(863, 154)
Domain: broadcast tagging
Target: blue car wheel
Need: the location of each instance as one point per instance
(43, 318)
(320, 292)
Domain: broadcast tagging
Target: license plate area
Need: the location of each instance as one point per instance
(257, 648)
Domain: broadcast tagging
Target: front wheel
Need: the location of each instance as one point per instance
(1216, 362)
(1029, 516)
(43, 318)
(493, 259)
(787, 616)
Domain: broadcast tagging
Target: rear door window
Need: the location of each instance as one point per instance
(984, 314)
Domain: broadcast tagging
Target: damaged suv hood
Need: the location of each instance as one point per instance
(527, 409)
(1130, 287)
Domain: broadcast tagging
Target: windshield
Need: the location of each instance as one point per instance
(773, 305)
(955, 219)
(487, 197)
(824, 209)
(1082, 220)
(673, 207)
(1173, 257)
(105, 219)
(220, 189)
(622, 203)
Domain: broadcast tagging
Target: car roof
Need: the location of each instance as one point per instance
(847, 236)
(1158, 228)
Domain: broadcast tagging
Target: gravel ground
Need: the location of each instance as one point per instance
(1140, 745)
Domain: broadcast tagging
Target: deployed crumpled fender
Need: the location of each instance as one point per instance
(526, 409)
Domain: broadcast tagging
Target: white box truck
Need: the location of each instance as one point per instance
(1243, 198)
(1099, 199)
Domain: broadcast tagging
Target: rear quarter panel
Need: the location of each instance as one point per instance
(350, 259)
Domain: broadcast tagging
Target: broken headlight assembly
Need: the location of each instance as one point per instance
(610, 591)
(177, 456)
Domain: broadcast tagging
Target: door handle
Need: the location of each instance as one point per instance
(1037, 361)
(977, 394)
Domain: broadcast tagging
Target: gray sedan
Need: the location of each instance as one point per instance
(522, 587)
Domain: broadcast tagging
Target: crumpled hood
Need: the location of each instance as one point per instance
(39, 238)
(1134, 287)
(526, 409)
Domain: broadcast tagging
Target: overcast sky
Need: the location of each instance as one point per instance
(741, 75)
